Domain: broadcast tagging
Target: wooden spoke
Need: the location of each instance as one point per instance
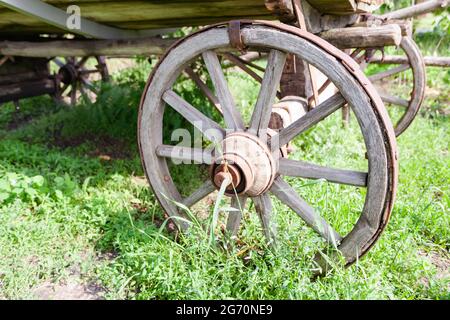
(411, 59)
(324, 86)
(82, 61)
(293, 168)
(88, 84)
(242, 60)
(316, 115)
(269, 87)
(93, 91)
(83, 92)
(235, 217)
(283, 191)
(64, 88)
(73, 94)
(186, 154)
(416, 60)
(388, 98)
(208, 93)
(199, 194)
(356, 52)
(389, 73)
(240, 64)
(263, 206)
(232, 117)
(210, 129)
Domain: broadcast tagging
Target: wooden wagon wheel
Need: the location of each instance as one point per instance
(415, 94)
(74, 78)
(242, 155)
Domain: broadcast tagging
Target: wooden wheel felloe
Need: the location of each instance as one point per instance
(413, 99)
(74, 78)
(354, 89)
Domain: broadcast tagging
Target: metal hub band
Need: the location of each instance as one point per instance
(247, 162)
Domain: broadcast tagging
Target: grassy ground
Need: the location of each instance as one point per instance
(77, 218)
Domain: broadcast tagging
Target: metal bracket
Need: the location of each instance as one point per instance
(58, 18)
(234, 31)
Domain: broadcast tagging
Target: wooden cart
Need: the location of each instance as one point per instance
(248, 160)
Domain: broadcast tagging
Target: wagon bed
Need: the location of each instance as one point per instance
(160, 14)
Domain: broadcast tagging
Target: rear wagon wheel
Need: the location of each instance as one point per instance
(415, 88)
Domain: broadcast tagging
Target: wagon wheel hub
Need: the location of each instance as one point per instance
(75, 78)
(246, 162)
(68, 73)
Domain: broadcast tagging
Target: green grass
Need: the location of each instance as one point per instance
(64, 204)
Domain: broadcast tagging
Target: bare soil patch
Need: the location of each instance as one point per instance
(71, 289)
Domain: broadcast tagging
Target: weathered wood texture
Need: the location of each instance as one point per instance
(405, 25)
(186, 154)
(155, 14)
(70, 48)
(231, 114)
(160, 14)
(360, 37)
(345, 6)
(294, 168)
(412, 60)
(234, 218)
(261, 115)
(194, 116)
(315, 20)
(286, 194)
(296, 79)
(263, 206)
(429, 61)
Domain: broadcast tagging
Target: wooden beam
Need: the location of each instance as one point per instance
(23, 70)
(334, 6)
(140, 15)
(368, 5)
(58, 18)
(405, 25)
(360, 37)
(70, 48)
(429, 61)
